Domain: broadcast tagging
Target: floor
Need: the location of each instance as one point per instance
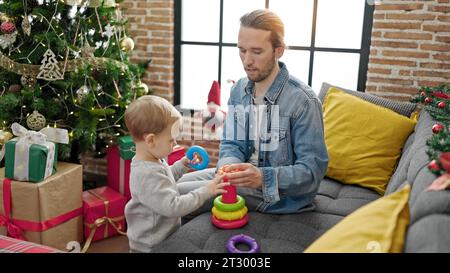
(116, 244)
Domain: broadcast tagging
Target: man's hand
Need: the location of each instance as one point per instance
(243, 175)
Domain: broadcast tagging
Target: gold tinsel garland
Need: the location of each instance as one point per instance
(33, 70)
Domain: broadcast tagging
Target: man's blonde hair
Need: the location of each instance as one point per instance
(266, 20)
(149, 115)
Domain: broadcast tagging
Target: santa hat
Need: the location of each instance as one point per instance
(214, 93)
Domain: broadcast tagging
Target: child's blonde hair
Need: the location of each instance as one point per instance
(149, 115)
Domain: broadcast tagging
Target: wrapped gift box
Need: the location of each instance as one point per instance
(177, 153)
(118, 171)
(11, 245)
(31, 163)
(127, 148)
(47, 213)
(103, 212)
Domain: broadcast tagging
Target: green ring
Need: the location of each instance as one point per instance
(229, 207)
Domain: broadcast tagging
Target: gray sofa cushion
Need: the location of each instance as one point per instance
(403, 108)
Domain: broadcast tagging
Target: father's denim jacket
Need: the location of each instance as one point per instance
(292, 157)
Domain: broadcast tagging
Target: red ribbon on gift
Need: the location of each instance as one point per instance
(16, 227)
(12, 230)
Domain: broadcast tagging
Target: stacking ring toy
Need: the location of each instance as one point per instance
(196, 152)
(229, 215)
(242, 239)
(229, 207)
(229, 224)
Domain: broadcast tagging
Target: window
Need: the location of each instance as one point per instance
(328, 40)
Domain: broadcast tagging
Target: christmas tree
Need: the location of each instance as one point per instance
(65, 64)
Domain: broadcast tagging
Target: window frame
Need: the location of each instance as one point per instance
(364, 50)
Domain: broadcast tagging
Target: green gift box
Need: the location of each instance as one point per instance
(37, 161)
(127, 148)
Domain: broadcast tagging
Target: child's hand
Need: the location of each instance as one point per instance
(216, 185)
(186, 162)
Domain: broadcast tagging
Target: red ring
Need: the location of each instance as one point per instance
(224, 224)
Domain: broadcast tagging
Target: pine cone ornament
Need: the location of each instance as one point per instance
(7, 27)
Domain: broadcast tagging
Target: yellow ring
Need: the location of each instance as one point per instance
(229, 215)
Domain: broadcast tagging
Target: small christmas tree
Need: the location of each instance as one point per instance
(436, 101)
(65, 63)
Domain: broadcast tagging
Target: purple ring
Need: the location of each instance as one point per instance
(243, 239)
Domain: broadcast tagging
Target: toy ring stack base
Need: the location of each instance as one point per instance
(224, 224)
(242, 239)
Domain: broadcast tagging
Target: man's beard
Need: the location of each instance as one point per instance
(264, 73)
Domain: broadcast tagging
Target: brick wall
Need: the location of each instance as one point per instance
(410, 47)
(151, 25)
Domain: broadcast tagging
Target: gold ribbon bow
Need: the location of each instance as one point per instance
(105, 220)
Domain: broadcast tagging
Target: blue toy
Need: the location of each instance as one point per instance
(198, 157)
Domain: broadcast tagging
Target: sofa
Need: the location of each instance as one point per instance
(429, 210)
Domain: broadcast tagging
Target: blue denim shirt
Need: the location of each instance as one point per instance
(295, 157)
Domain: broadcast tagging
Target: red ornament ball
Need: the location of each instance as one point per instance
(422, 94)
(428, 100)
(433, 165)
(437, 128)
(7, 27)
(441, 104)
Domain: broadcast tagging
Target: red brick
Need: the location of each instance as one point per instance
(442, 57)
(379, 16)
(405, 72)
(390, 80)
(435, 65)
(376, 34)
(135, 11)
(160, 4)
(408, 35)
(162, 12)
(392, 62)
(397, 89)
(435, 47)
(389, 25)
(444, 39)
(407, 7)
(429, 83)
(437, 28)
(379, 71)
(410, 16)
(371, 88)
(394, 44)
(159, 19)
(410, 54)
(432, 74)
(443, 8)
(444, 18)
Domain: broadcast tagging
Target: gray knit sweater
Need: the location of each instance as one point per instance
(156, 207)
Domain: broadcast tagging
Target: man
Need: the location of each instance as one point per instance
(273, 135)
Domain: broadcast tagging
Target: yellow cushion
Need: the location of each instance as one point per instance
(379, 226)
(364, 140)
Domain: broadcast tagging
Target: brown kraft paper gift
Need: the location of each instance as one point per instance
(57, 195)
